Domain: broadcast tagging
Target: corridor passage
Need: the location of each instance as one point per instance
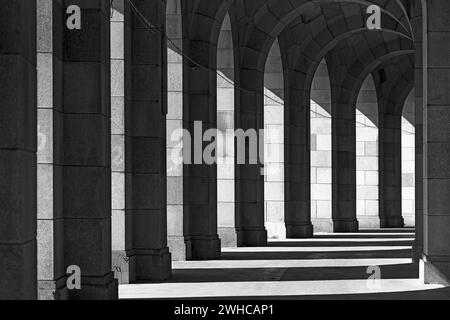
(328, 266)
(167, 146)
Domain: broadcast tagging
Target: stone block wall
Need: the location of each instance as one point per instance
(225, 123)
(119, 260)
(321, 165)
(367, 177)
(321, 145)
(274, 145)
(408, 161)
(174, 136)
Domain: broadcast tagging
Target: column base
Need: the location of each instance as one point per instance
(369, 222)
(417, 251)
(177, 247)
(434, 272)
(149, 265)
(53, 289)
(228, 237)
(252, 238)
(96, 288)
(396, 222)
(18, 271)
(120, 266)
(322, 225)
(345, 226)
(299, 231)
(203, 248)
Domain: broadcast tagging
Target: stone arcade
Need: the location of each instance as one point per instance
(87, 113)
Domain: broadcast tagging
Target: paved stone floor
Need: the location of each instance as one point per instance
(329, 266)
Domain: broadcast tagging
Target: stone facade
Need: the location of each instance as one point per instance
(92, 141)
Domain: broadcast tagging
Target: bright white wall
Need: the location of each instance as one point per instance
(321, 161)
(367, 166)
(274, 145)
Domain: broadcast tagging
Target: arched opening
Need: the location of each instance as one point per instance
(409, 160)
(274, 144)
(78, 155)
(321, 151)
(174, 130)
(367, 177)
(225, 126)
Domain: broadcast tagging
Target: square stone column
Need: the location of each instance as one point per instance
(297, 152)
(51, 269)
(343, 127)
(249, 176)
(436, 142)
(174, 27)
(417, 24)
(120, 261)
(344, 168)
(18, 113)
(390, 166)
(86, 134)
(199, 115)
(145, 143)
(199, 180)
(225, 123)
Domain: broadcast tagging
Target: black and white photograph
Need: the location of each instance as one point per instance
(216, 158)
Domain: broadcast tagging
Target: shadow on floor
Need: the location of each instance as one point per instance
(432, 294)
(402, 271)
(343, 243)
(302, 255)
(338, 258)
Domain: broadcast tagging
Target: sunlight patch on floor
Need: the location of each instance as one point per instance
(273, 289)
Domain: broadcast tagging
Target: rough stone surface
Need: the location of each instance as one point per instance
(356, 137)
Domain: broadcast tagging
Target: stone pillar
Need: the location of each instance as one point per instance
(390, 169)
(344, 168)
(417, 22)
(50, 227)
(307, 136)
(249, 176)
(436, 141)
(367, 156)
(343, 112)
(119, 258)
(249, 118)
(274, 144)
(86, 134)
(321, 148)
(145, 127)
(394, 82)
(225, 123)
(408, 159)
(200, 109)
(18, 262)
(174, 131)
(297, 161)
